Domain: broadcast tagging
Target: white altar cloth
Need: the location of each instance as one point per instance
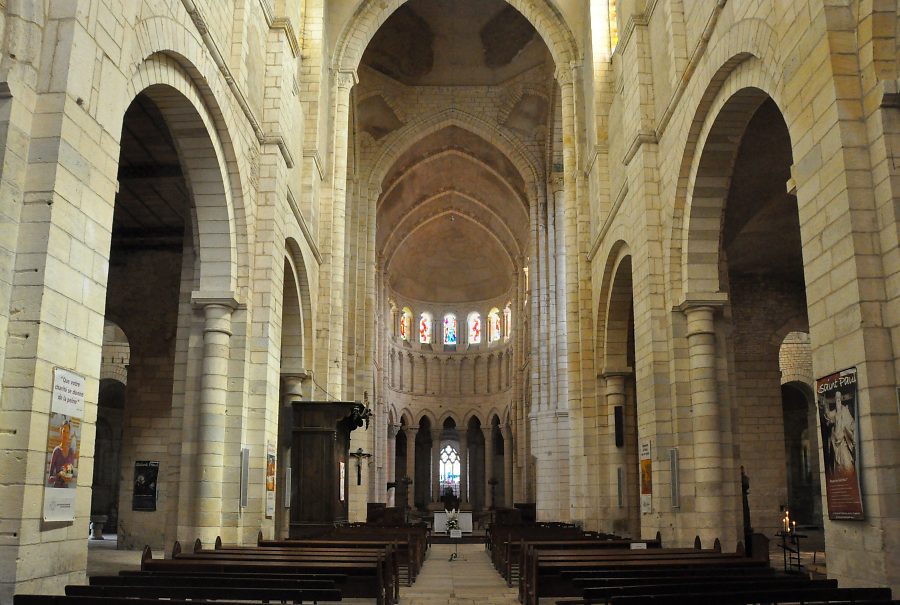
(440, 522)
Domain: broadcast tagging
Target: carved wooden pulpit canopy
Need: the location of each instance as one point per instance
(320, 455)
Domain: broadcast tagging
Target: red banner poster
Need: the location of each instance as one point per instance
(838, 404)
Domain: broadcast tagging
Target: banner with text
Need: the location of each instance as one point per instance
(63, 440)
(838, 404)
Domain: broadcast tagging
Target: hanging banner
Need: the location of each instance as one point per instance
(270, 480)
(146, 476)
(838, 404)
(646, 478)
(63, 439)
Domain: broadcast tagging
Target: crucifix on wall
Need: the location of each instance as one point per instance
(359, 454)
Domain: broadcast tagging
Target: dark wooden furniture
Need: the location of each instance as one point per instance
(320, 447)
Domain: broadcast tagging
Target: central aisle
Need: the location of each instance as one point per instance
(469, 580)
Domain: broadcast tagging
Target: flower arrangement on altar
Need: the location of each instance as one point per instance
(452, 519)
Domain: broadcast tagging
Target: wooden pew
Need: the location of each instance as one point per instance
(156, 591)
(40, 599)
(409, 552)
(786, 595)
(544, 572)
(364, 578)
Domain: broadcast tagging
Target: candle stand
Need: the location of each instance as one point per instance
(790, 547)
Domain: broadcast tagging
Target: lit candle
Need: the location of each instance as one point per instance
(794, 528)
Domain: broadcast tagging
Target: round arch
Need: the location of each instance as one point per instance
(163, 80)
(369, 16)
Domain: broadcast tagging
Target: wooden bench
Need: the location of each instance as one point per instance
(29, 599)
(323, 552)
(365, 576)
(550, 574)
(740, 597)
(406, 550)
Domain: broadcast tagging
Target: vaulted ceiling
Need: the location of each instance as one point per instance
(453, 218)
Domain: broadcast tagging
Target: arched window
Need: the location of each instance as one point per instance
(450, 329)
(425, 328)
(613, 25)
(494, 325)
(507, 321)
(405, 323)
(450, 469)
(474, 328)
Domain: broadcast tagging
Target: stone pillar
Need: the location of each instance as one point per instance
(333, 228)
(211, 444)
(435, 465)
(706, 416)
(463, 466)
(507, 466)
(391, 455)
(488, 464)
(615, 397)
(291, 390)
(411, 463)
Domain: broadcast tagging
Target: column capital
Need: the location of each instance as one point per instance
(436, 434)
(487, 431)
(692, 301)
(346, 78)
(292, 382)
(206, 298)
(411, 430)
(392, 430)
(614, 372)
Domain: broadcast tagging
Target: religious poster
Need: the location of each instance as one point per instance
(63, 439)
(646, 478)
(270, 480)
(143, 495)
(342, 480)
(838, 404)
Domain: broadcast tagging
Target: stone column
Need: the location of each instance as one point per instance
(435, 465)
(463, 466)
(411, 463)
(211, 444)
(330, 335)
(706, 419)
(291, 391)
(391, 455)
(488, 464)
(615, 397)
(507, 466)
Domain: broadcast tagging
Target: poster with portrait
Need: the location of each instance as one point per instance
(270, 480)
(838, 407)
(63, 445)
(646, 478)
(146, 476)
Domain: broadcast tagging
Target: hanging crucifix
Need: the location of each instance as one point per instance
(359, 454)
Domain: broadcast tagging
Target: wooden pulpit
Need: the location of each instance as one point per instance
(320, 454)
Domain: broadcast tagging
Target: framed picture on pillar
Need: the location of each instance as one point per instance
(837, 401)
(146, 475)
(646, 478)
(270, 480)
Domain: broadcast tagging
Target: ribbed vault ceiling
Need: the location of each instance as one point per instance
(453, 218)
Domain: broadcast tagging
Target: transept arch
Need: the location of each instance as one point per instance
(545, 18)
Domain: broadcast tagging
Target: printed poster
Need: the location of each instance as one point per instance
(343, 480)
(838, 405)
(270, 480)
(146, 476)
(646, 478)
(63, 439)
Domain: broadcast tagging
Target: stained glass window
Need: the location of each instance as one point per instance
(449, 329)
(425, 328)
(450, 469)
(507, 322)
(494, 325)
(474, 328)
(405, 323)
